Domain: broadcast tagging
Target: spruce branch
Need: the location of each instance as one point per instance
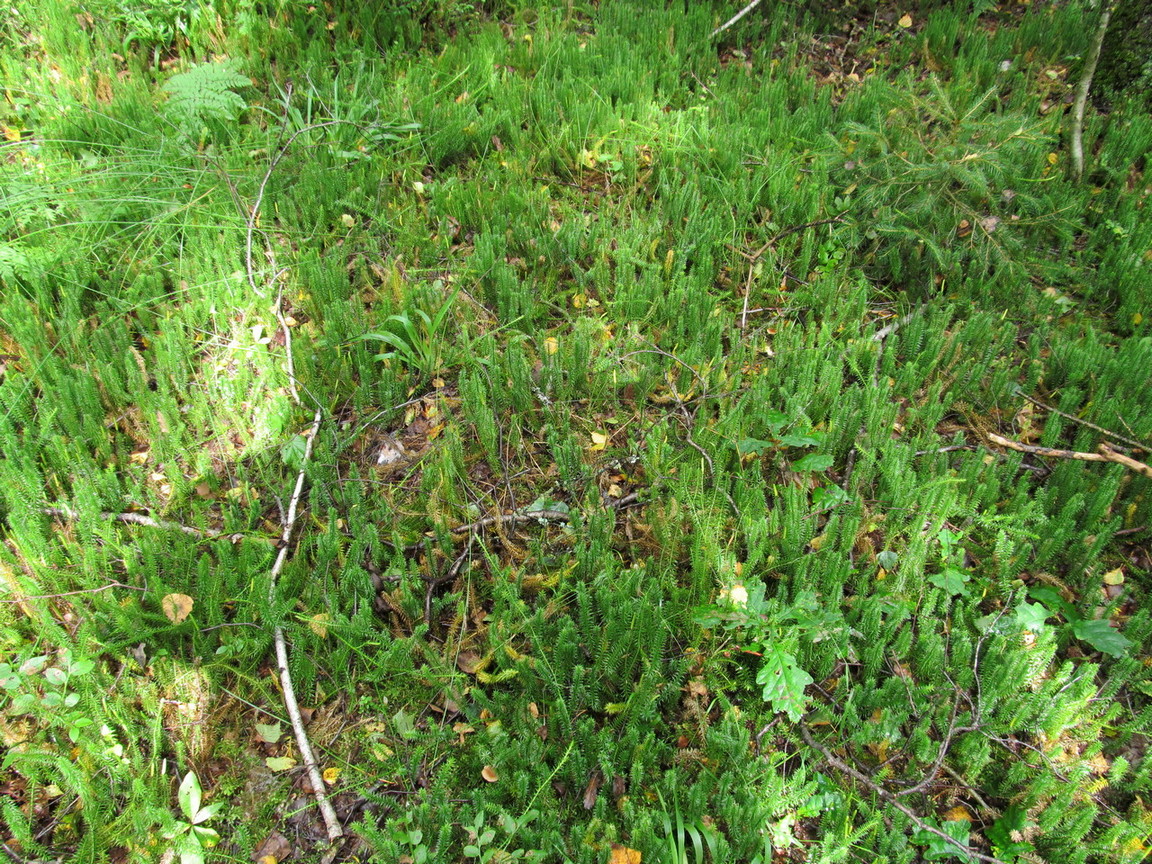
(1082, 93)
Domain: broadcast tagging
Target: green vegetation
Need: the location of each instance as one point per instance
(658, 506)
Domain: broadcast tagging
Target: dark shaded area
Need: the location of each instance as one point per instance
(1126, 60)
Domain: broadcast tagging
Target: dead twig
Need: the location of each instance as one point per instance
(1082, 93)
(884, 332)
(734, 18)
(881, 792)
(331, 822)
(149, 522)
(107, 587)
(1104, 453)
(533, 516)
(1129, 441)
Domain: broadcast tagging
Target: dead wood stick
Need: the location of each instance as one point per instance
(1104, 454)
(149, 522)
(1130, 441)
(331, 822)
(533, 516)
(133, 519)
(734, 18)
(1082, 93)
(879, 790)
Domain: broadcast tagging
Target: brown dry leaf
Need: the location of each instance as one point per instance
(489, 774)
(624, 855)
(275, 848)
(176, 607)
(468, 662)
(592, 789)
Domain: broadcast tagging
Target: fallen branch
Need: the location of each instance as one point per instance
(134, 519)
(880, 791)
(1082, 93)
(1104, 453)
(149, 522)
(110, 585)
(1130, 441)
(734, 18)
(331, 822)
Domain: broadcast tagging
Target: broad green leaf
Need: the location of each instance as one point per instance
(999, 834)
(938, 848)
(292, 453)
(783, 682)
(813, 462)
(1031, 616)
(747, 446)
(1051, 598)
(1102, 636)
(269, 732)
(796, 440)
(951, 580)
(188, 795)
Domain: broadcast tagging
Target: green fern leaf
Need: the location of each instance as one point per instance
(206, 92)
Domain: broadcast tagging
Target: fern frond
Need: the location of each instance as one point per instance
(206, 92)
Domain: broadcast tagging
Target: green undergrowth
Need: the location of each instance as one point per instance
(655, 508)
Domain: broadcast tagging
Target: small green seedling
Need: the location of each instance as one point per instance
(191, 838)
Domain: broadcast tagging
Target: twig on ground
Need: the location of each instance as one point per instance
(289, 366)
(1082, 93)
(780, 235)
(884, 332)
(734, 19)
(107, 587)
(533, 516)
(879, 790)
(1129, 441)
(951, 772)
(689, 419)
(133, 519)
(331, 822)
(747, 294)
(253, 217)
(1104, 454)
(949, 449)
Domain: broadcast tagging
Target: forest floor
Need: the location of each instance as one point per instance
(595, 438)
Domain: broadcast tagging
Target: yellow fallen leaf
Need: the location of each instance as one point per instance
(1114, 577)
(905, 21)
(958, 814)
(139, 457)
(176, 607)
(599, 440)
(331, 775)
(551, 345)
(318, 624)
(624, 855)
(348, 219)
